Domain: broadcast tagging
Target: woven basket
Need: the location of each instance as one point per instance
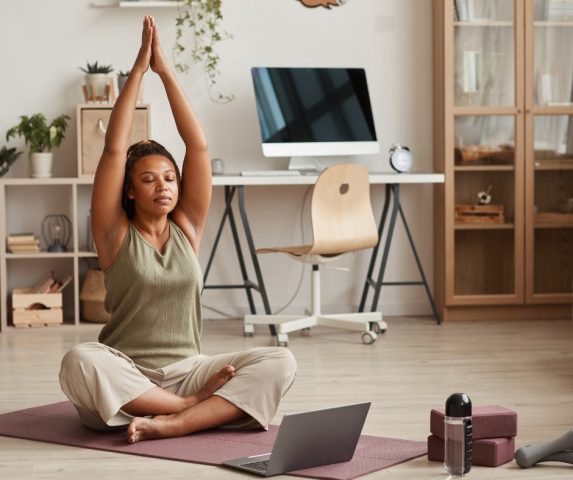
(93, 296)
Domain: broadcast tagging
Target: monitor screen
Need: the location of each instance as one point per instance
(314, 111)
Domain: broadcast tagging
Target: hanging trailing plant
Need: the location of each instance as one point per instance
(203, 19)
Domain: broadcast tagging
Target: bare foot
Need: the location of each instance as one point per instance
(216, 382)
(147, 428)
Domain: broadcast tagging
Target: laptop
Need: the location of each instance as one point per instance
(309, 439)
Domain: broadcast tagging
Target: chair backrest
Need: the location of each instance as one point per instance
(341, 212)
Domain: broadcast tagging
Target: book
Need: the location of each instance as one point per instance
(24, 249)
(22, 240)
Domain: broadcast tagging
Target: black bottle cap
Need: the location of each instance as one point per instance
(458, 405)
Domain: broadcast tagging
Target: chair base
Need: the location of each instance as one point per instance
(370, 323)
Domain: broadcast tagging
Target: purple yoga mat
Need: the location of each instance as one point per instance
(59, 423)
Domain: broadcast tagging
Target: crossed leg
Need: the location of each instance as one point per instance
(158, 401)
(213, 412)
(176, 416)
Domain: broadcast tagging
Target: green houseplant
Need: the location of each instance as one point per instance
(203, 19)
(97, 80)
(41, 138)
(7, 157)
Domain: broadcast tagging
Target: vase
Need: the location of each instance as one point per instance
(96, 85)
(41, 164)
(121, 79)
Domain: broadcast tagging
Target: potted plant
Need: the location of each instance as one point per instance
(202, 18)
(7, 157)
(122, 78)
(41, 138)
(97, 80)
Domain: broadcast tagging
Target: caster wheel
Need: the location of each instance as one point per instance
(368, 338)
(248, 330)
(377, 328)
(305, 331)
(282, 344)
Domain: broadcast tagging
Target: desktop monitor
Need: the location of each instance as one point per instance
(311, 112)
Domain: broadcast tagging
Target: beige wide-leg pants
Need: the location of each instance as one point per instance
(99, 380)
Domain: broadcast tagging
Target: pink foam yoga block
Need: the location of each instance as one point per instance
(490, 421)
(486, 452)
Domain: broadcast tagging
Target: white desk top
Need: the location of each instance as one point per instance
(310, 179)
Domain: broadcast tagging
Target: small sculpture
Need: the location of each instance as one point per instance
(324, 3)
(484, 197)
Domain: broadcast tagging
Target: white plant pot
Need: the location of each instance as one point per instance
(96, 84)
(41, 164)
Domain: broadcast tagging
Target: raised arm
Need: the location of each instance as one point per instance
(109, 221)
(191, 211)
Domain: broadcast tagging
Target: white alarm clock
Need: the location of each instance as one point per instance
(400, 158)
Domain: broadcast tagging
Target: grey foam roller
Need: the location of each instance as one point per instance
(558, 450)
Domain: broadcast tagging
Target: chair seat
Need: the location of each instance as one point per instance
(302, 254)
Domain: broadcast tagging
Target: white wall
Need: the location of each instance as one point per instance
(42, 43)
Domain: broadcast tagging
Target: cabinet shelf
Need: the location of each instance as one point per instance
(484, 23)
(484, 168)
(553, 164)
(483, 226)
(554, 23)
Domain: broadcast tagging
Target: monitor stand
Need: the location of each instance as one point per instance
(303, 164)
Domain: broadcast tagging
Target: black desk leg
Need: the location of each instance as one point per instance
(378, 286)
(247, 284)
(247, 228)
(420, 269)
(369, 282)
(394, 191)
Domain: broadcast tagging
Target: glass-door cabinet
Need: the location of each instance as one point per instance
(484, 154)
(549, 151)
(503, 137)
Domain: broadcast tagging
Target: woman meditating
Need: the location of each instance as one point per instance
(147, 372)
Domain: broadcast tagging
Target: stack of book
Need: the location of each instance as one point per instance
(23, 243)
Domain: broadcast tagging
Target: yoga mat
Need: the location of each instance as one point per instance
(59, 423)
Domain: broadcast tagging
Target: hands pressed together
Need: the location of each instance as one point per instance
(150, 53)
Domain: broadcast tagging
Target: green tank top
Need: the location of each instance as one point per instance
(154, 300)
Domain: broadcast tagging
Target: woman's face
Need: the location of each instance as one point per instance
(154, 187)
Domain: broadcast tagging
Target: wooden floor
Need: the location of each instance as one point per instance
(523, 365)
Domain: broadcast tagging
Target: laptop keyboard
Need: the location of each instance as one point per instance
(260, 466)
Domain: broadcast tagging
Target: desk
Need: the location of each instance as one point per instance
(235, 188)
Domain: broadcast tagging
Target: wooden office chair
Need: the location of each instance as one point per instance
(342, 221)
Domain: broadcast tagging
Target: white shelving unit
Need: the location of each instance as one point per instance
(58, 190)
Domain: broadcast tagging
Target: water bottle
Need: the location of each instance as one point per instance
(458, 434)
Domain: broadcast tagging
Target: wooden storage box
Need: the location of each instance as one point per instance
(48, 313)
(92, 121)
(479, 214)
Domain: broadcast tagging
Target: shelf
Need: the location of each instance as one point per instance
(484, 23)
(554, 225)
(40, 181)
(135, 4)
(483, 226)
(553, 164)
(553, 220)
(86, 254)
(554, 23)
(484, 168)
(39, 255)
